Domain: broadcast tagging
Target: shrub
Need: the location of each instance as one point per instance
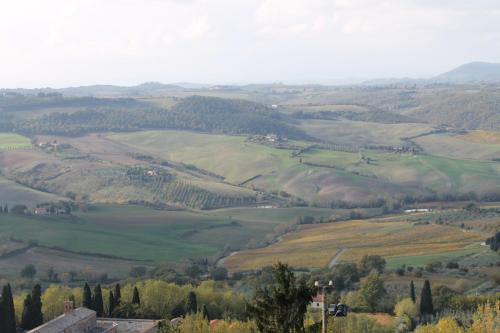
(137, 272)
(29, 272)
(406, 307)
(433, 266)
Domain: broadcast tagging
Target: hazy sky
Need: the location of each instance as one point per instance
(76, 42)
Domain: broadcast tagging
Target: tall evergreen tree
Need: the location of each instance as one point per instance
(6, 209)
(118, 295)
(111, 304)
(87, 297)
(426, 306)
(191, 303)
(135, 297)
(412, 292)
(282, 306)
(27, 316)
(97, 303)
(36, 303)
(8, 319)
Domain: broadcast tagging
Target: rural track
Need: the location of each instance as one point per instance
(336, 257)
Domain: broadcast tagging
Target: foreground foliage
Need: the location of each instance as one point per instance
(281, 307)
(486, 319)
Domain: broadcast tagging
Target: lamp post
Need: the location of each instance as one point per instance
(323, 315)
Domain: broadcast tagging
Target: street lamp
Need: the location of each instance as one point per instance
(323, 290)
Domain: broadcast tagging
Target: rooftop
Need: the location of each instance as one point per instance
(129, 325)
(64, 321)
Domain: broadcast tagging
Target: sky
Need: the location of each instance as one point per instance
(60, 43)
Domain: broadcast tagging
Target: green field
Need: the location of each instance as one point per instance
(10, 141)
(228, 156)
(139, 233)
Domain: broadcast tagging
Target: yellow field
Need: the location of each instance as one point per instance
(487, 137)
(315, 245)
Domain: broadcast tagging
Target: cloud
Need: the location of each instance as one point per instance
(198, 28)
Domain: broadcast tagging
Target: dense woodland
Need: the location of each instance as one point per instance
(205, 114)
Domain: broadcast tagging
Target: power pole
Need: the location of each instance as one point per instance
(324, 319)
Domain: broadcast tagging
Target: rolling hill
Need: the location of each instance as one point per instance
(471, 72)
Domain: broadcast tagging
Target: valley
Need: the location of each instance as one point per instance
(321, 178)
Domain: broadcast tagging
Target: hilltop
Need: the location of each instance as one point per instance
(471, 72)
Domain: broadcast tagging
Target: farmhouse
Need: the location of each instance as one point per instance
(317, 302)
(419, 210)
(41, 211)
(83, 320)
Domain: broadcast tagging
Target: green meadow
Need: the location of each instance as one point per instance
(13, 141)
(140, 233)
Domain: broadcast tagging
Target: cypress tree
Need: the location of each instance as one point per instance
(36, 303)
(27, 317)
(87, 297)
(118, 295)
(205, 313)
(112, 303)
(191, 304)
(6, 209)
(135, 298)
(412, 292)
(8, 313)
(97, 302)
(426, 306)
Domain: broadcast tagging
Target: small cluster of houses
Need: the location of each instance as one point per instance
(48, 146)
(272, 138)
(418, 210)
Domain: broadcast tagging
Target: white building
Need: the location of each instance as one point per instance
(317, 302)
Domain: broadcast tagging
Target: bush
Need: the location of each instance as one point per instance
(406, 307)
(18, 209)
(219, 274)
(356, 323)
(28, 272)
(452, 265)
(433, 266)
(371, 262)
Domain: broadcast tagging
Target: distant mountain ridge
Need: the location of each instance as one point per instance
(472, 72)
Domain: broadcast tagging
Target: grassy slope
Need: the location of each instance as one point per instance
(315, 245)
(229, 156)
(358, 133)
(388, 173)
(433, 172)
(13, 141)
(12, 193)
(477, 145)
